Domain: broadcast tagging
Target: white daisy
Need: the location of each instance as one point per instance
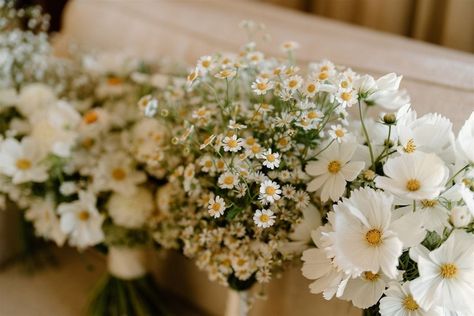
(271, 160)
(205, 64)
(270, 191)
(261, 86)
(216, 207)
(264, 218)
(226, 74)
(333, 169)
(227, 180)
(362, 238)
(81, 221)
(232, 144)
(417, 176)
(338, 133)
(446, 275)
(289, 46)
(399, 301)
(293, 83)
(23, 161)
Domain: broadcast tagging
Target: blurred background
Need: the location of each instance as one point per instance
(448, 23)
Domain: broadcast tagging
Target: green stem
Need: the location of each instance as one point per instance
(457, 173)
(367, 139)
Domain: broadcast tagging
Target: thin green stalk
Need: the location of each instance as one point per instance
(366, 134)
(457, 173)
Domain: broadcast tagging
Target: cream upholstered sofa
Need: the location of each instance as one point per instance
(438, 80)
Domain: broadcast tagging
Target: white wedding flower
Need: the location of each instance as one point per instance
(293, 83)
(386, 92)
(227, 180)
(216, 207)
(81, 221)
(232, 144)
(264, 218)
(271, 160)
(270, 191)
(366, 290)
(23, 161)
(35, 98)
(399, 301)
(446, 275)
(261, 86)
(363, 239)
(416, 176)
(45, 220)
(131, 211)
(116, 171)
(55, 128)
(333, 169)
(465, 140)
(338, 133)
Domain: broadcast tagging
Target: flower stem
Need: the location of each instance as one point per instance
(457, 173)
(366, 134)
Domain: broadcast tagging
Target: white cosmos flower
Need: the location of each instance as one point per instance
(81, 221)
(366, 290)
(264, 218)
(399, 301)
(416, 176)
(55, 128)
(386, 93)
(465, 140)
(116, 171)
(270, 191)
(363, 239)
(446, 275)
(460, 216)
(131, 211)
(23, 161)
(333, 169)
(45, 220)
(216, 207)
(271, 160)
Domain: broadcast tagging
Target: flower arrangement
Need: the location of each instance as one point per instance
(278, 159)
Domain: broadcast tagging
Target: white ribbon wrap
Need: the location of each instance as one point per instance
(127, 263)
(237, 303)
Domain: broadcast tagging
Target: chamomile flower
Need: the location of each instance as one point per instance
(226, 74)
(232, 143)
(346, 97)
(293, 83)
(216, 207)
(289, 46)
(261, 86)
(205, 64)
(333, 169)
(227, 180)
(264, 218)
(338, 133)
(270, 191)
(271, 160)
(417, 176)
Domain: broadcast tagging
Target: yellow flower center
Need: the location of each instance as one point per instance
(448, 270)
(118, 174)
(323, 75)
(410, 304)
(334, 166)
(229, 180)
(232, 143)
(90, 117)
(23, 164)
(324, 68)
(428, 203)
(413, 185)
(83, 215)
(264, 218)
(114, 81)
(344, 84)
(283, 141)
(271, 158)
(339, 133)
(206, 63)
(313, 115)
(410, 146)
(292, 83)
(346, 96)
(311, 88)
(270, 190)
(208, 164)
(256, 149)
(250, 141)
(241, 262)
(371, 276)
(192, 76)
(216, 207)
(373, 237)
(220, 164)
(261, 86)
